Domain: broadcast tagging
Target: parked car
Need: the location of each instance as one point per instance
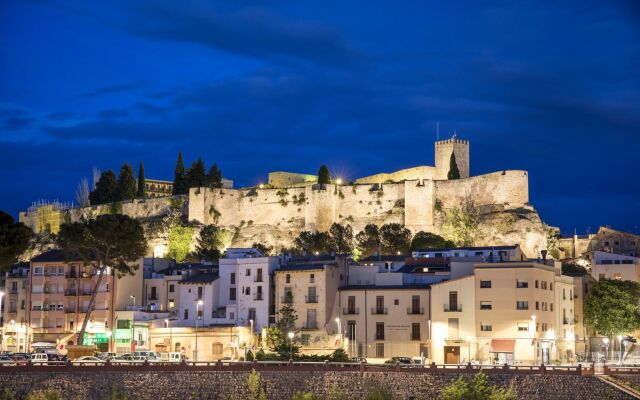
(358, 360)
(88, 360)
(172, 357)
(399, 360)
(19, 358)
(106, 355)
(6, 361)
(128, 358)
(39, 359)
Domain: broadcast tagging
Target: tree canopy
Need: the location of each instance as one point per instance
(115, 241)
(368, 240)
(394, 239)
(196, 174)
(612, 307)
(461, 224)
(324, 176)
(285, 323)
(428, 240)
(341, 238)
(179, 178)
(312, 242)
(212, 242)
(126, 183)
(14, 239)
(214, 178)
(454, 173)
(142, 191)
(573, 268)
(106, 190)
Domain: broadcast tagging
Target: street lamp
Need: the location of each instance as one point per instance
(198, 304)
(291, 334)
(339, 181)
(133, 324)
(469, 348)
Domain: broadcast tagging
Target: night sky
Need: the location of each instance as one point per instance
(549, 87)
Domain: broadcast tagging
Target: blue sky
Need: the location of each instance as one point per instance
(550, 87)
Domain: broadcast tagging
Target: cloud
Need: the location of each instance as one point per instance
(120, 88)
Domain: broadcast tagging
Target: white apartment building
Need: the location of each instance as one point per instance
(199, 300)
(488, 253)
(246, 291)
(615, 266)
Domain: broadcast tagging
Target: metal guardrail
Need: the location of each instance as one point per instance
(221, 365)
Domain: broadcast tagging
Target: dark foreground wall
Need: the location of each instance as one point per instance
(229, 385)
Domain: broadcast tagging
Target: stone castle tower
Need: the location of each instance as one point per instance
(444, 148)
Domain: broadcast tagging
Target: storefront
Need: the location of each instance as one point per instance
(502, 351)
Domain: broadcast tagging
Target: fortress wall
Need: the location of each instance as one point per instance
(359, 205)
(421, 172)
(419, 199)
(506, 187)
(137, 208)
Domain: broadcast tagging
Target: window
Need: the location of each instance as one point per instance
(551, 307)
(312, 319)
(485, 284)
(522, 284)
(564, 294)
(485, 305)
(248, 272)
(172, 288)
(123, 324)
(259, 275)
(485, 327)
(186, 314)
(617, 276)
(522, 305)
(351, 305)
(380, 350)
(379, 330)
(287, 278)
(172, 303)
(233, 278)
(415, 305)
(415, 331)
(199, 292)
(537, 305)
(247, 290)
(523, 326)
(550, 286)
(232, 293)
(312, 278)
(379, 304)
(536, 283)
(252, 314)
(396, 302)
(305, 339)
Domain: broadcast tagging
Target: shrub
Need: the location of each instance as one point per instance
(254, 381)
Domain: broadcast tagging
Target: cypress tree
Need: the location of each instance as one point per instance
(179, 184)
(196, 175)
(454, 173)
(106, 190)
(214, 179)
(141, 190)
(126, 183)
(324, 176)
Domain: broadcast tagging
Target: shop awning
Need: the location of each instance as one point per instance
(503, 345)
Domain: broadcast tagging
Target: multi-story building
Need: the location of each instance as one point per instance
(246, 288)
(15, 305)
(310, 286)
(158, 188)
(582, 284)
(615, 266)
(606, 239)
(505, 312)
(382, 321)
(199, 298)
(487, 253)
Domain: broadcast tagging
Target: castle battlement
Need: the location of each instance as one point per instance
(452, 141)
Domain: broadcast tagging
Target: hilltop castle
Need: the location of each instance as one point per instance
(418, 198)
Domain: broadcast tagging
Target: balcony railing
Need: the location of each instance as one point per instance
(311, 299)
(285, 299)
(452, 308)
(311, 325)
(153, 298)
(351, 311)
(415, 310)
(258, 279)
(379, 310)
(379, 335)
(258, 296)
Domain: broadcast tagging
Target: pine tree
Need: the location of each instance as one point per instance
(141, 189)
(196, 175)
(454, 173)
(106, 190)
(214, 179)
(179, 184)
(324, 176)
(126, 183)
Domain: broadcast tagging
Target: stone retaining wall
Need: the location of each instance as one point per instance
(282, 385)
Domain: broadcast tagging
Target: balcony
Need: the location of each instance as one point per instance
(351, 311)
(153, 298)
(379, 310)
(286, 299)
(258, 296)
(311, 299)
(310, 325)
(415, 310)
(379, 335)
(258, 279)
(452, 308)
(72, 275)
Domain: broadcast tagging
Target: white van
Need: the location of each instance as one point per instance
(172, 357)
(39, 359)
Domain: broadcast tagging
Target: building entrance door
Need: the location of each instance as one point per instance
(452, 354)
